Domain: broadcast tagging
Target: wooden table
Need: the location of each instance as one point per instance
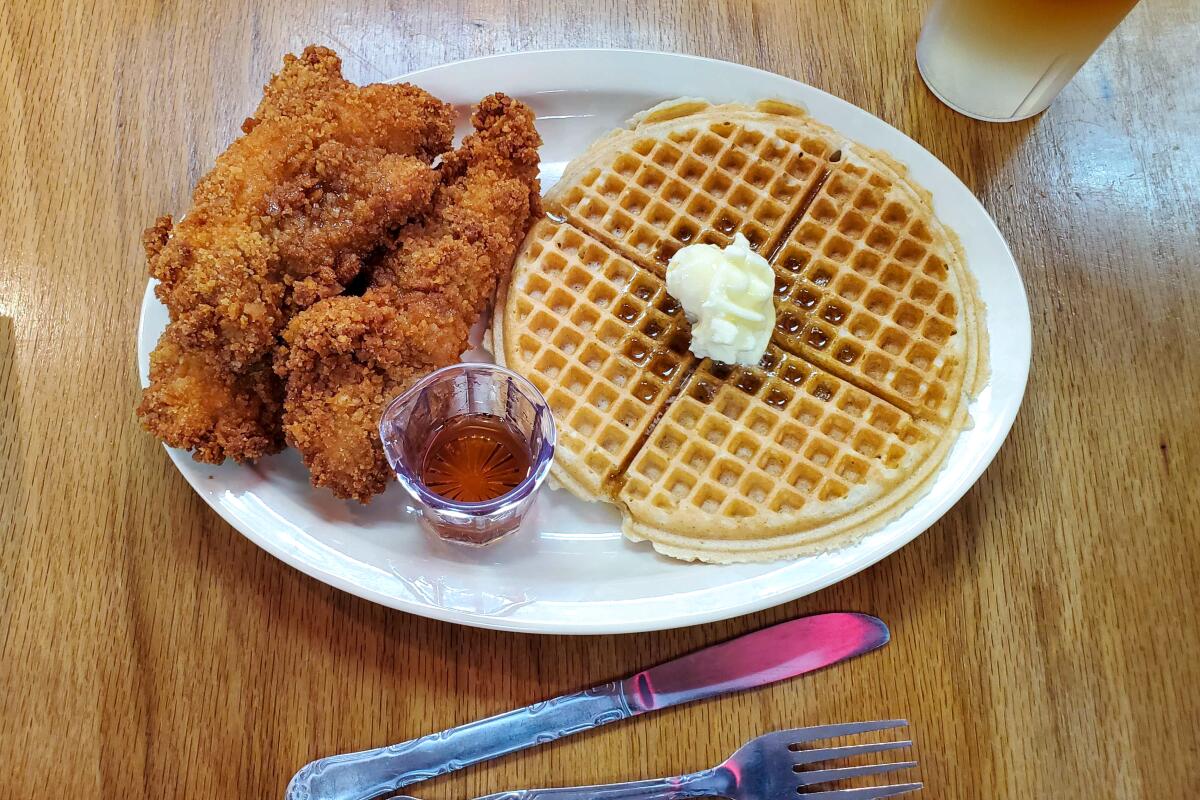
(1046, 638)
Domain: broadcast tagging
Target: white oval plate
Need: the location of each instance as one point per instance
(570, 571)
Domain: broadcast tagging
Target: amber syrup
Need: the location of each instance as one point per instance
(474, 458)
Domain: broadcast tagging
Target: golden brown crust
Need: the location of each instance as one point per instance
(285, 218)
(194, 403)
(269, 214)
(489, 195)
(345, 358)
(303, 81)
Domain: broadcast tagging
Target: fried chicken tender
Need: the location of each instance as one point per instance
(482, 211)
(303, 82)
(291, 208)
(344, 359)
(286, 217)
(195, 403)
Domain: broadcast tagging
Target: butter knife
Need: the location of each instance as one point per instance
(755, 659)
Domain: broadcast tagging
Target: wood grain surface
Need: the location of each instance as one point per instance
(1046, 631)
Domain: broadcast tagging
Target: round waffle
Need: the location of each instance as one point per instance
(865, 386)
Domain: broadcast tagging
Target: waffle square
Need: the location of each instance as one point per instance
(754, 453)
(601, 339)
(863, 288)
(695, 180)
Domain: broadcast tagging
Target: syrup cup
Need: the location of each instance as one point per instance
(410, 421)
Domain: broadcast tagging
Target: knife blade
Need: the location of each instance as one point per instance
(754, 659)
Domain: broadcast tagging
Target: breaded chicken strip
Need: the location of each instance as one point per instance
(481, 213)
(304, 80)
(346, 358)
(195, 403)
(291, 208)
(287, 216)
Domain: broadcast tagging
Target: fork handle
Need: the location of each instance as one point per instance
(715, 782)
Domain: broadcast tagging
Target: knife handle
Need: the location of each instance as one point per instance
(370, 773)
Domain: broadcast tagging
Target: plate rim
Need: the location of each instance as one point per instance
(678, 618)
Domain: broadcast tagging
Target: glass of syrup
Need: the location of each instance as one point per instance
(471, 444)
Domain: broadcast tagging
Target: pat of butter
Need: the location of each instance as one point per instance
(727, 296)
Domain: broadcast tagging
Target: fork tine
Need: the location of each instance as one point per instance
(802, 735)
(866, 793)
(842, 773)
(845, 751)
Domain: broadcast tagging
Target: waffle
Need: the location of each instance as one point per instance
(861, 393)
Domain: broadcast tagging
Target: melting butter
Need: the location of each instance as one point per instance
(727, 296)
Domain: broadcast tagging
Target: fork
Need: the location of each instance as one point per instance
(768, 767)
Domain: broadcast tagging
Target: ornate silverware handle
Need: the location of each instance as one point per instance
(709, 783)
(755, 659)
(370, 773)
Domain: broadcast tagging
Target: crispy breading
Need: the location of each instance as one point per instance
(325, 171)
(346, 358)
(195, 403)
(336, 166)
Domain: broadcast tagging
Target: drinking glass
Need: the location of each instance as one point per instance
(1006, 60)
(410, 421)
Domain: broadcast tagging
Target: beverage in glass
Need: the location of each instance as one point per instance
(1005, 60)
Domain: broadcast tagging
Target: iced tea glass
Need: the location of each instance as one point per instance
(410, 423)
(1006, 60)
